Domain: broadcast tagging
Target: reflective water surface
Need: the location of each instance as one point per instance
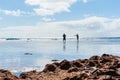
(22, 55)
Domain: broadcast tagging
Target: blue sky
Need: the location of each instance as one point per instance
(51, 18)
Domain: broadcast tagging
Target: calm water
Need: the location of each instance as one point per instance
(12, 53)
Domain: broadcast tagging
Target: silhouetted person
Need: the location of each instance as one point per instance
(64, 37)
(77, 36)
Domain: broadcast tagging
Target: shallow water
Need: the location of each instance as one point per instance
(40, 52)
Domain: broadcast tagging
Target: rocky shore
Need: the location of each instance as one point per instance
(105, 67)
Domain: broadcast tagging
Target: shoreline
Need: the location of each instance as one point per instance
(101, 67)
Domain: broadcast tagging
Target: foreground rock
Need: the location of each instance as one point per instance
(6, 75)
(105, 67)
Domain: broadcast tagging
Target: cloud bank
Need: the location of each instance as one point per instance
(88, 27)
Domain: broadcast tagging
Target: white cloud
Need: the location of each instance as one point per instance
(88, 27)
(15, 12)
(50, 7)
(46, 19)
(9, 12)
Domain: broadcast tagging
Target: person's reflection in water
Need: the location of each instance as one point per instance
(77, 46)
(64, 46)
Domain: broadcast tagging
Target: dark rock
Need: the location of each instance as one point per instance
(56, 63)
(73, 69)
(28, 54)
(23, 75)
(85, 61)
(26, 75)
(65, 65)
(105, 60)
(105, 67)
(91, 64)
(67, 78)
(6, 75)
(82, 76)
(105, 55)
(49, 67)
(74, 78)
(94, 58)
(54, 60)
(77, 64)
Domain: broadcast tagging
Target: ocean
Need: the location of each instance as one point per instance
(21, 55)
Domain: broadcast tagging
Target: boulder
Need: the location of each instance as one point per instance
(6, 75)
(50, 68)
(65, 65)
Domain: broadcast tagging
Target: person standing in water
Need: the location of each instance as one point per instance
(77, 36)
(64, 37)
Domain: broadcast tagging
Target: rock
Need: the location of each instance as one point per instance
(105, 60)
(77, 64)
(73, 78)
(65, 65)
(94, 58)
(91, 64)
(82, 76)
(73, 69)
(85, 61)
(26, 75)
(6, 75)
(28, 54)
(57, 64)
(54, 60)
(105, 67)
(50, 67)
(118, 71)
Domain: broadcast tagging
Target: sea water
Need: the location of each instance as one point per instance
(33, 54)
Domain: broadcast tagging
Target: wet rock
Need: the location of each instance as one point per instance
(94, 58)
(54, 60)
(85, 61)
(105, 60)
(91, 64)
(6, 75)
(26, 75)
(83, 76)
(105, 67)
(73, 78)
(118, 71)
(65, 65)
(28, 54)
(77, 64)
(50, 67)
(73, 69)
(106, 55)
(56, 63)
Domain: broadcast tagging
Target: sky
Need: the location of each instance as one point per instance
(52, 18)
